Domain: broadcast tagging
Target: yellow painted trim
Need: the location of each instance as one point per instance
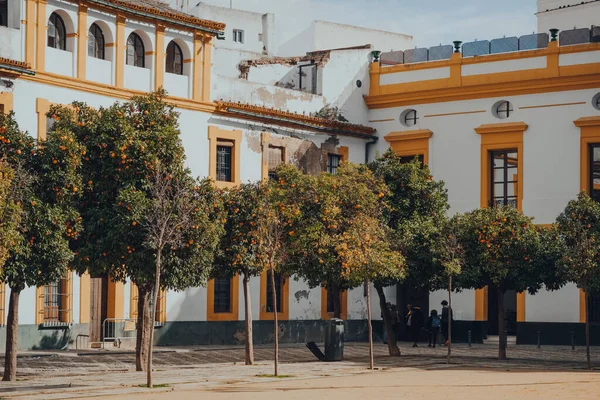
(284, 313)
(521, 298)
(2, 303)
(7, 101)
(84, 298)
(210, 302)
(383, 120)
(343, 151)
(197, 68)
(454, 113)
(72, 35)
(265, 138)
(410, 143)
(82, 41)
(39, 305)
(109, 44)
(133, 294)
(41, 41)
(343, 305)
(159, 60)
(552, 78)
(51, 79)
(589, 133)
(480, 304)
(214, 135)
(120, 51)
(42, 108)
(188, 60)
(30, 8)
(582, 305)
(206, 68)
(149, 53)
(116, 302)
(553, 105)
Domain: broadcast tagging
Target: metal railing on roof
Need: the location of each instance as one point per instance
(495, 46)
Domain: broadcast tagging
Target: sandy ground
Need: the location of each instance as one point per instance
(406, 384)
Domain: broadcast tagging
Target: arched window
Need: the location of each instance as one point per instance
(409, 118)
(174, 59)
(57, 34)
(96, 42)
(135, 51)
(503, 109)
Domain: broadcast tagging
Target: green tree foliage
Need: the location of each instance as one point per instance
(238, 249)
(501, 248)
(46, 187)
(416, 209)
(126, 143)
(10, 214)
(579, 227)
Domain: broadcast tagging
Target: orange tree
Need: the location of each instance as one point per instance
(364, 245)
(45, 187)
(238, 249)
(126, 143)
(503, 250)
(579, 227)
(416, 209)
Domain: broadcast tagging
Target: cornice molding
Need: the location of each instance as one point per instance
(408, 135)
(506, 127)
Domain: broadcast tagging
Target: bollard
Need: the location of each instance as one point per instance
(572, 340)
(539, 340)
(469, 337)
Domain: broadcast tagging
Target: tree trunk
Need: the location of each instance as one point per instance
(587, 329)
(335, 295)
(248, 319)
(12, 332)
(387, 322)
(275, 323)
(449, 319)
(501, 332)
(371, 362)
(143, 328)
(155, 293)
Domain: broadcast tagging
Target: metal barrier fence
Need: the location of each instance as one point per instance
(118, 329)
(495, 46)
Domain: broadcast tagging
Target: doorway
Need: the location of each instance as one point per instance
(510, 312)
(98, 307)
(405, 295)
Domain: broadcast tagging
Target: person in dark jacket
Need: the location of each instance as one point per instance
(416, 323)
(446, 314)
(433, 327)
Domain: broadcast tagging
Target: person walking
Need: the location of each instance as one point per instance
(416, 323)
(446, 315)
(433, 327)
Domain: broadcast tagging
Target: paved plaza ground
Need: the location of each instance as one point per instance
(218, 373)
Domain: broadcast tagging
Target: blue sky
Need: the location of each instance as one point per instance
(430, 22)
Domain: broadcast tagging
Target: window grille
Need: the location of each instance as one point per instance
(333, 162)
(224, 154)
(504, 178)
(595, 171)
(57, 302)
(160, 310)
(222, 295)
(57, 33)
(408, 159)
(330, 302)
(135, 51)
(96, 42)
(278, 286)
(174, 59)
(410, 118)
(504, 109)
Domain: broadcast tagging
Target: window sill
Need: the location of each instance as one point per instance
(54, 325)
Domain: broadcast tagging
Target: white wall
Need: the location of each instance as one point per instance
(463, 303)
(10, 43)
(225, 61)
(559, 306)
(575, 15)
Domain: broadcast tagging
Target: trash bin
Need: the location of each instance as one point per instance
(334, 340)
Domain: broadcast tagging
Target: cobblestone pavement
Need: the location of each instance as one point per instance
(111, 373)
